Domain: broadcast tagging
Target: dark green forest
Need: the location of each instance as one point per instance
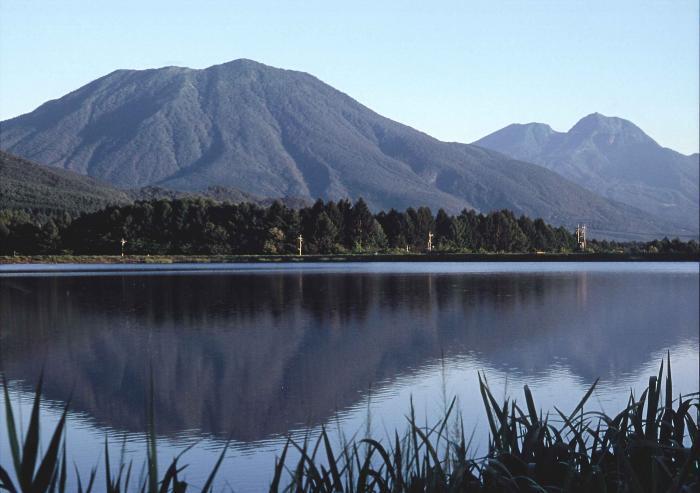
(196, 226)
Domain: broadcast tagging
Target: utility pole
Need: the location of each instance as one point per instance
(430, 241)
(301, 240)
(123, 242)
(581, 236)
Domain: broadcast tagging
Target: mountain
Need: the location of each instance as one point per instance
(273, 132)
(27, 185)
(612, 157)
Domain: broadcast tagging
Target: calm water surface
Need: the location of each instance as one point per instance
(263, 352)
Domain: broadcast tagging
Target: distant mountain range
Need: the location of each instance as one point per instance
(612, 157)
(277, 133)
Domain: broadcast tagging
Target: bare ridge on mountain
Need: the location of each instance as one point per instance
(275, 133)
(613, 157)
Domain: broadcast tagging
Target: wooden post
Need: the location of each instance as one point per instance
(581, 236)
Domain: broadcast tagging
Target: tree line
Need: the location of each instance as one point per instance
(195, 226)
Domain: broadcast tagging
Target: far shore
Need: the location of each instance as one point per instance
(380, 257)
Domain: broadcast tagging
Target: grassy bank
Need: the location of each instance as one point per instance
(435, 257)
(652, 445)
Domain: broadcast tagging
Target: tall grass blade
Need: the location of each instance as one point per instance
(332, 462)
(492, 424)
(210, 480)
(64, 475)
(6, 482)
(531, 406)
(652, 406)
(384, 455)
(50, 461)
(11, 430)
(152, 456)
(31, 443)
(583, 401)
(279, 468)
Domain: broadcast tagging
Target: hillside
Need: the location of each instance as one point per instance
(27, 185)
(31, 186)
(278, 133)
(612, 157)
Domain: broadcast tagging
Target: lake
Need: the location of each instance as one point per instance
(262, 352)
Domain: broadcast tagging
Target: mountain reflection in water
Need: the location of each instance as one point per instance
(257, 354)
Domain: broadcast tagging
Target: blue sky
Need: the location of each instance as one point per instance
(456, 70)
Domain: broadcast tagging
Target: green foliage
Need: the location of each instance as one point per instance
(47, 473)
(657, 449)
(198, 226)
(25, 185)
(652, 445)
(33, 471)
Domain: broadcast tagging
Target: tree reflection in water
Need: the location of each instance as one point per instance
(258, 354)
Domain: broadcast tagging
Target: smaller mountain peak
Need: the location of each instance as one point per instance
(599, 123)
(539, 132)
(539, 128)
(527, 126)
(521, 139)
(593, 119)
(518, 129)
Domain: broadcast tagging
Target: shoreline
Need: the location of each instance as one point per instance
(51, 260)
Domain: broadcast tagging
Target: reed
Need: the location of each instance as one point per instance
(47, 473)
(652, 445)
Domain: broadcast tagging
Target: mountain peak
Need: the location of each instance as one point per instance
(522, 139)
(599, 123)
(613, 156)
(241, 63)
(531, 130)
(253, 70)
(596, 120)
(530, 127)
(539, 129)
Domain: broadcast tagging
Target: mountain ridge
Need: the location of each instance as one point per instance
(272, 132)
(614, 157)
